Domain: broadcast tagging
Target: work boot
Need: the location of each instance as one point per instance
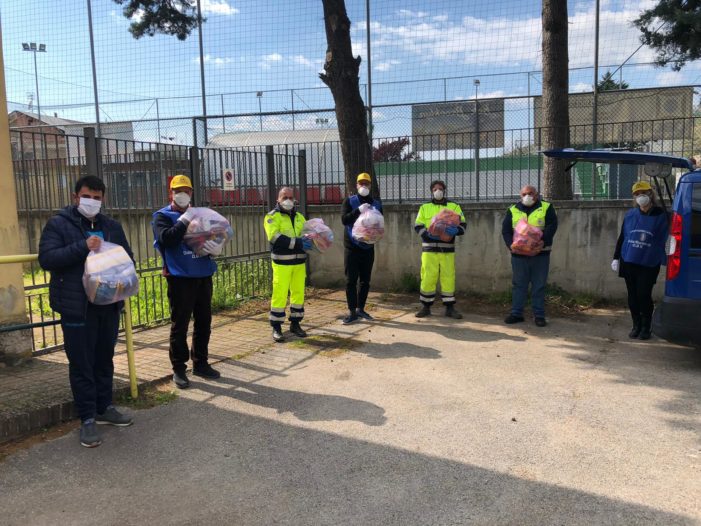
(635, 331)
(296, 329)
(181, 380)
(205, 371)
(113, 417)
(540, 321)
(645, 332)
(277, 333)
(452, 312)
(89, 437)
(425, 311)
(512, 318)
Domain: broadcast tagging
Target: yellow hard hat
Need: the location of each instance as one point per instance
(364, 177)
(641, 186)
(180, 181)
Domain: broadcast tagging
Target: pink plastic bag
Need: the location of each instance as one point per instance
(320, 234)
(369, 227)
(442, 220)
(527, 239)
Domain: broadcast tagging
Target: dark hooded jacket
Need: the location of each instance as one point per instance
(62, 251)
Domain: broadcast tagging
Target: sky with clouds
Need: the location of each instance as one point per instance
(422, 51)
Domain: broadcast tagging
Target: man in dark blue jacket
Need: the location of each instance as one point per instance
(189, 278)
(89, 331)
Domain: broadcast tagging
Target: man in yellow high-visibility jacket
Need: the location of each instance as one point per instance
(283, 226)
(531, 270)
(437, 256)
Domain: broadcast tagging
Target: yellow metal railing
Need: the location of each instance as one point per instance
(128, 334)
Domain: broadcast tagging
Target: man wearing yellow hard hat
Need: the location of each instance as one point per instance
(640, 251)
(189, 279)
(359, 257)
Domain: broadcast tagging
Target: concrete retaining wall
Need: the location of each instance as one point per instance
(580, 261)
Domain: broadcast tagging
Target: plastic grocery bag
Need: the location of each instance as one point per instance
(320, 234)
(442, 220)
(207, 225)
(527, 240)
(369, 227)
(109, 275)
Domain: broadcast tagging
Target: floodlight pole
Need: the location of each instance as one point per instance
(595, 104)
(476, 82)
(34, 49)
(202, 85)
(94, 71)
(369, 57)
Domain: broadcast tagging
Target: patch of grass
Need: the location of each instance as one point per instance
(408, 282)
(326, 345)
(150, 396)
(560, 299)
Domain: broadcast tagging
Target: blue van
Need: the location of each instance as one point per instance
(678, 317)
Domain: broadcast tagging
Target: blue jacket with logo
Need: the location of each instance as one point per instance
(62, 251)
(642, 238)
(178, 259)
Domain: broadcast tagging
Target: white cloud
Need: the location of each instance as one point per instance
(479, 41)
(216, 7)
(209, 59)
(267, 60)
(580, 87)
(385, 65)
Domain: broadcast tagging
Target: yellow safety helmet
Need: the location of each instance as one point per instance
(363, 177)
(641, 186)
(180, 181)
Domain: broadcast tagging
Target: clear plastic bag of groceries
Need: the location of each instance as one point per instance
(527, 240)
(207, 225)
(369, 227)
(109, 275)
(442, 220)
(320, 234)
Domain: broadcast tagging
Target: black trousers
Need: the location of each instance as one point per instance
(89, 344)
(358, 269)
(188, 296)
(639, 282)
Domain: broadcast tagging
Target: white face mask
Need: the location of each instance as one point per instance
(287, 204)
(364, 191)
(438, 195)
(182, 199)
(528, 200)
(643, 200)
(89, 208)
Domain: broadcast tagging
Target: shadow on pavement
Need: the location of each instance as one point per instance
(199, 463)
(452, 330)
(310, 407)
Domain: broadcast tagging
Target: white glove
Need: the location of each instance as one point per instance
(187, 215)
(615, 265)
(212, 248)
(364, 207)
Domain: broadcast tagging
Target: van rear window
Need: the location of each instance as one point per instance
(696, 216)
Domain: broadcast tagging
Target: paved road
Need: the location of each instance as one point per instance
(427, 422)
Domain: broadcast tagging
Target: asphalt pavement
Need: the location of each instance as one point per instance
(411, 422)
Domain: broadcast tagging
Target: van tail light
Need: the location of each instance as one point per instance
(674, 247)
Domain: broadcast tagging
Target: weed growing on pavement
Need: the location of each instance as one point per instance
(408, 282)
(150, 396)
(326, 345)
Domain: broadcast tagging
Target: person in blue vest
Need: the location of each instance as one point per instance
(640, 251)
(189, 279)
(529, 270)
(359, 257)
(89, 330)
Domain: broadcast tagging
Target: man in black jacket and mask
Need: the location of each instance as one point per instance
(89, 331)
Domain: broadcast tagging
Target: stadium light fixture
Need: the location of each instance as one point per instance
(32, 47)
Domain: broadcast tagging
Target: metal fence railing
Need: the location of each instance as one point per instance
(137, 175)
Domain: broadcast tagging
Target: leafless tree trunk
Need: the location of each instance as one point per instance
(341, 76)
(556, 119)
